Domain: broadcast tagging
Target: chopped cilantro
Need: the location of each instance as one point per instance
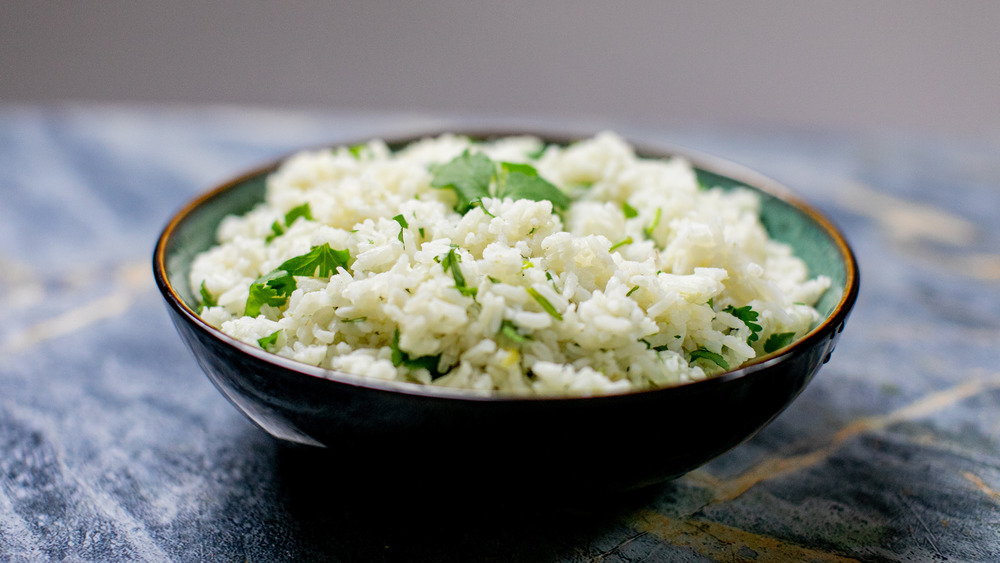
(357, 150)
(702, 353)
(206, 298)
(269, 340)
(299, 211)
(450, 262)
(536, 154)
(272, 289)
(401, 358)
(277, 229)
(544, 303)
(320, 261)
(631, 291)
(509, 330)
(619, 244)
(275, 287)
(474, 176)
(402, 225)
(748, 316)
(778, 341)
(469, 175)
(629, 211)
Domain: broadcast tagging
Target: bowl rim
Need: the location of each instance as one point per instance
(834, 322)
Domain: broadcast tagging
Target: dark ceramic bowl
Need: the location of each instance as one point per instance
(427, 434)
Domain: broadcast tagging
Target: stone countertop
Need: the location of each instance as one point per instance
(114, 446)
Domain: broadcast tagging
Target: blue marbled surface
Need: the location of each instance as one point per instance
(114, 446)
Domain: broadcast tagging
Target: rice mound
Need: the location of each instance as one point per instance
(642, 274)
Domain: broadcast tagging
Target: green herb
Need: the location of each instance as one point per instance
(629, 211)
(277, 229)
(652, 226)
(536, 154)
(520, 185)
(450, 262)
(401, 358)
(469, 175)
(299, 211)
(355, 320)
(544, 303)
(402, 225)
(320, 261)
(778, 341)
(269, 340)
(702, 353)
(206, 298)
(631, 291)
(748, 316)
(357, 150)
(619, 244)
(275, 287)
(509, 330)
(272, 289)
(474, 176)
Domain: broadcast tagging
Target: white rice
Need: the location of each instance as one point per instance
(628, 318)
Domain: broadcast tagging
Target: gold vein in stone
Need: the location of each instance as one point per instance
(986, 489)
(726, 543)
(907, 221)
(131, 280)
(777, 467)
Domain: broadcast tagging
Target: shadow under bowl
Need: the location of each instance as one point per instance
(375, 430)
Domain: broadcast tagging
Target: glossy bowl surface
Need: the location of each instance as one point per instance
(431, 434)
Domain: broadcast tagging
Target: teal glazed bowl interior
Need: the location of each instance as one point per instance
(605, 443)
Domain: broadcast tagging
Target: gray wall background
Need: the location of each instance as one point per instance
(902, 65)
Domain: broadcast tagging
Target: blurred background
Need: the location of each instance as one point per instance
(894, 65)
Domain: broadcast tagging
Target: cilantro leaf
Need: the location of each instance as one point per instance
(357, 150)
(475, 176)
(536, 154)
(519, 185)
(206, 298)
(272, 289)
(717, 359)
(402, 225)
(401, 358)
(450, 262)
(509, 330)
(469, 175)
(269, 340)
(544, 303)
(778, 341)
(277, 229)
(748, 316)
(320, 261)
(298, 211)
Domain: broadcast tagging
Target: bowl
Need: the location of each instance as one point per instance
(426, 434)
